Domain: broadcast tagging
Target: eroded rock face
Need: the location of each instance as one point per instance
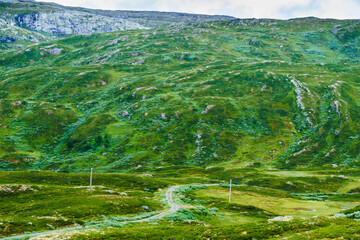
(12, 1)
(72, 22)
(7, 39)
(56, 51)
(9, 34)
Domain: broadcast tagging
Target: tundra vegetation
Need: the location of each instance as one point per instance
(271, 104)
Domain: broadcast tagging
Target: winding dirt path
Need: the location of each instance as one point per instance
(169, 198)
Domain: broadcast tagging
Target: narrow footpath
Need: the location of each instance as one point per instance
(169, 198)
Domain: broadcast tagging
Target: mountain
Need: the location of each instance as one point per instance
(17, 37)
(27, 21)
(269, 93)
(155, 19)
(161, 111)
(51, 20)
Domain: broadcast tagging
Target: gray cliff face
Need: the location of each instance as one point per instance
(14, 36)
(36, 22)
(24, 22)
(12, 1)
(71, 22)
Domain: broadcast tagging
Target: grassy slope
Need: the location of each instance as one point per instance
(103, 101)
(225, 96)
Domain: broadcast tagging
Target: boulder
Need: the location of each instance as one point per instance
(125, 113)
(55, 51)
(146, 208)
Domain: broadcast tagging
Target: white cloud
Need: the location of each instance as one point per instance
(338, 9)
(239, 8)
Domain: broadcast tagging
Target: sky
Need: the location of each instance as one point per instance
(280, 9)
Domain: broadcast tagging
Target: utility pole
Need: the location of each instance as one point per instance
(230, 191)
(91, 177)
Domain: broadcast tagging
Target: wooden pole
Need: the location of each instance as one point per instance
(91, 177)
(230, 191)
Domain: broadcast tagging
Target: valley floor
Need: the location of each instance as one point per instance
(181, 203)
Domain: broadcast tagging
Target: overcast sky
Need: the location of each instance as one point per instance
(282, 9)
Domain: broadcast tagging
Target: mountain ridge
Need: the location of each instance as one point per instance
(60, 21)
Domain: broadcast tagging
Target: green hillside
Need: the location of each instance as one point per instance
(167, 116)
(275, 94)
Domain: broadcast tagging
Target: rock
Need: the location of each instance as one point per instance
(290, 183)
(63, 21)
(134, 93)
(5, 39)
(255, 42)
(207, 109)
(125, 113)
(281, 219)
(18, 103)
(147, 175)
(55, 51)
(146, 208)
(188, 221)
(151, 88)
(335, 30)
(139, 62)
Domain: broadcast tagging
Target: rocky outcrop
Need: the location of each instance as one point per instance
(68, 22)
(13, 1)
(7, 39)
(10, 34)
(19, 28)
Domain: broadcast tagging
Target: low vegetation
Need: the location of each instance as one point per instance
(271, 104)
(39, 201)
